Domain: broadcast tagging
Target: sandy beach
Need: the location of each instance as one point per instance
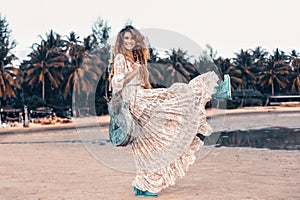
(50, 162)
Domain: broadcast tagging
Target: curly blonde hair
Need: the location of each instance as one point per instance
(140, 52)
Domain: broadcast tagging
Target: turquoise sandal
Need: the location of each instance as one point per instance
(223, 89)
(139, 192)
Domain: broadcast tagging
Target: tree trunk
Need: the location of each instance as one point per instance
(242, 103)
(43, 90)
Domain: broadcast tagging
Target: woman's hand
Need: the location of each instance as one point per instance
(129, 75)
(136, 66)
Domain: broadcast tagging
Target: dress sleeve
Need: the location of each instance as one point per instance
(119, 73)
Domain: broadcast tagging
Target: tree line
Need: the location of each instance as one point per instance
(60, 66)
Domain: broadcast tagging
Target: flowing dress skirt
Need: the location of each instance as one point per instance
(167, 121)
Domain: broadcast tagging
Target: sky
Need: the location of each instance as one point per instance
(227, 25)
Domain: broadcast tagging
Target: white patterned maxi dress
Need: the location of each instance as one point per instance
(166, 121)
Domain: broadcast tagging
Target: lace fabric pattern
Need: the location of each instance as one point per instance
(166, 122)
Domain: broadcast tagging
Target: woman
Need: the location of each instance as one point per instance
(164, 122)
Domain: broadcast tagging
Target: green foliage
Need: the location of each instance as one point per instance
(271, 74)
(45, 64)
(100, 32)
(10, 76)
(6, 42)
(33, 101)
(60, 67)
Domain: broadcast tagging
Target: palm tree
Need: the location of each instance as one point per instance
(163, 72)
(280, 55)
(259, 57)
(85, 71)
(206, 61)
(45, 65)
(173, 75)
(223, 65)
(295, 73)
(74, 70)
(153, 55)
(295, 80)
(156, 75)
(85, 65)
(241, 72)
(54, 40)
(203, 64)
(274, 76)
(259, 54)
(88, 61)
(10, 80)
(10, 77)
(210, 51)
(179, 67)
(101, 31)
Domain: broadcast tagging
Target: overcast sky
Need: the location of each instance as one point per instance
(227, 25)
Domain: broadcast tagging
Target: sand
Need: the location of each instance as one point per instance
(52, 164)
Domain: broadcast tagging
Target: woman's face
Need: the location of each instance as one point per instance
(128, 41)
